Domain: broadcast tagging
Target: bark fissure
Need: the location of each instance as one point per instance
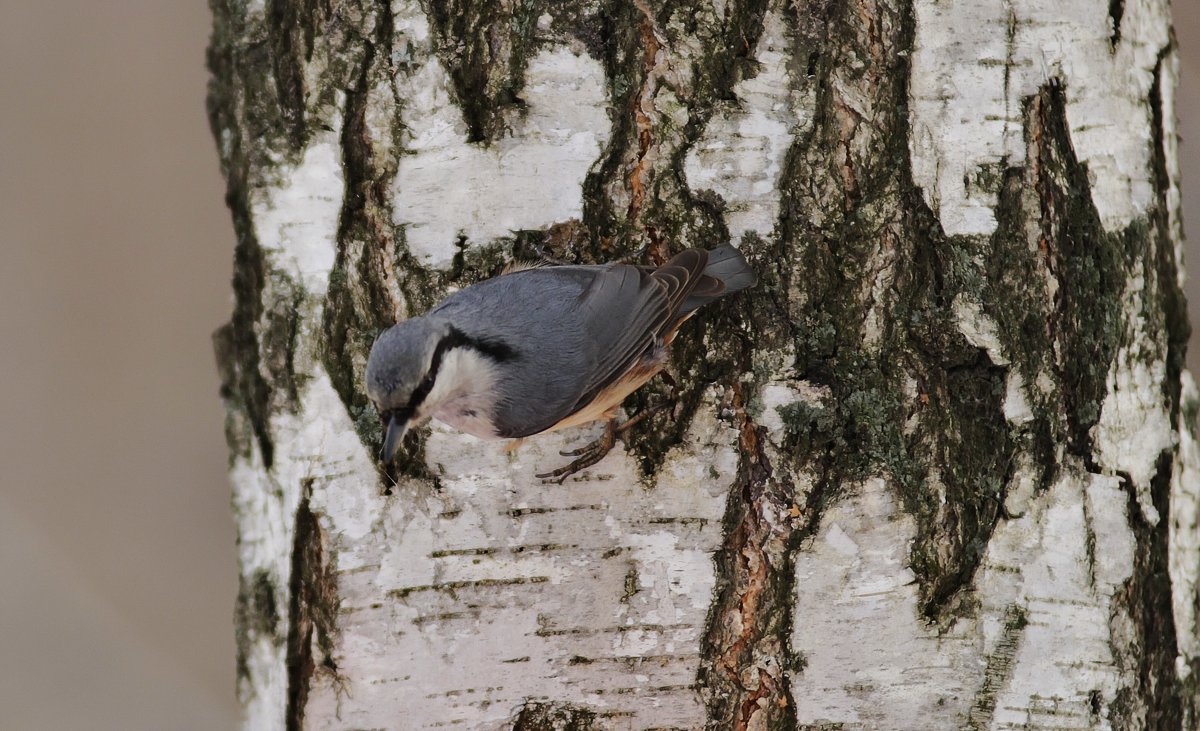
(312, 612)
(1084, 260)
(290, 27)
(1116, 13)
(485, 45)
(236, 344)
(255, 615)
(360, 301)
(744, 679)
(667, 65)
(1144, 605)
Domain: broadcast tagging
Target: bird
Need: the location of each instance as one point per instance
(540, 348)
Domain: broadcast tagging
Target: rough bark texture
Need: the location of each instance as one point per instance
(938, 470)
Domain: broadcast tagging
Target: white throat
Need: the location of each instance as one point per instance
(463, 393)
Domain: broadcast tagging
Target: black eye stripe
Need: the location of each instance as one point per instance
(454, 338)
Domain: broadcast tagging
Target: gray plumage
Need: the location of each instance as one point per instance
(549, 339)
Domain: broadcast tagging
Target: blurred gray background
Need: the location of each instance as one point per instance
(116, 547)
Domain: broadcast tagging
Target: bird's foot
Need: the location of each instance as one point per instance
(590, 454)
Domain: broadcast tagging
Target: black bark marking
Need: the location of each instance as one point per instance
(238, 111)
(279, 330)
(453, 587)
(1116, 13)
(972, 454)
(256, 614)
(246, 112)
(359, 301)
(312, 613)
(1000, 665)
(1088, 263)
(1155, 701)
(542, 716)
(1171, 299)
(291, 30)
(485, 46)
(1016, 298)
(636, 198)
(1158, 700)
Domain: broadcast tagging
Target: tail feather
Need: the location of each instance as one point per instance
(727, 272)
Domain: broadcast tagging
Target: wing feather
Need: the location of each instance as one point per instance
(602, 322)
(650, 303)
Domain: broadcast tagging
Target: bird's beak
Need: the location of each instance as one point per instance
(391, 440)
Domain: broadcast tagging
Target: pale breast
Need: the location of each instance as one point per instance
(463, 394)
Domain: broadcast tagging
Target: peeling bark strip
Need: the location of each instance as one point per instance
(937, 470)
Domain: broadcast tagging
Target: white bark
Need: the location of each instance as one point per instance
(462, 604)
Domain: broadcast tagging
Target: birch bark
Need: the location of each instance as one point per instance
(938, 470)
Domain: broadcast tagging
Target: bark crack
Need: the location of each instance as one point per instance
(312, 613)
(744, 676)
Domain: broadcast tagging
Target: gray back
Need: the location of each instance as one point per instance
(560, 321)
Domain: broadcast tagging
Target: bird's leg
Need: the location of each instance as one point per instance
(621, 429)
(590, 454)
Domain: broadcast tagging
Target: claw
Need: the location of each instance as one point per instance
(588, 455)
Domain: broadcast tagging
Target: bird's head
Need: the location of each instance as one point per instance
(401, 372)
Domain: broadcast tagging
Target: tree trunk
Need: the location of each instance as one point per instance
(939, 469)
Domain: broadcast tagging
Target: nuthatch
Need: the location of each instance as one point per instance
(539, 349)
